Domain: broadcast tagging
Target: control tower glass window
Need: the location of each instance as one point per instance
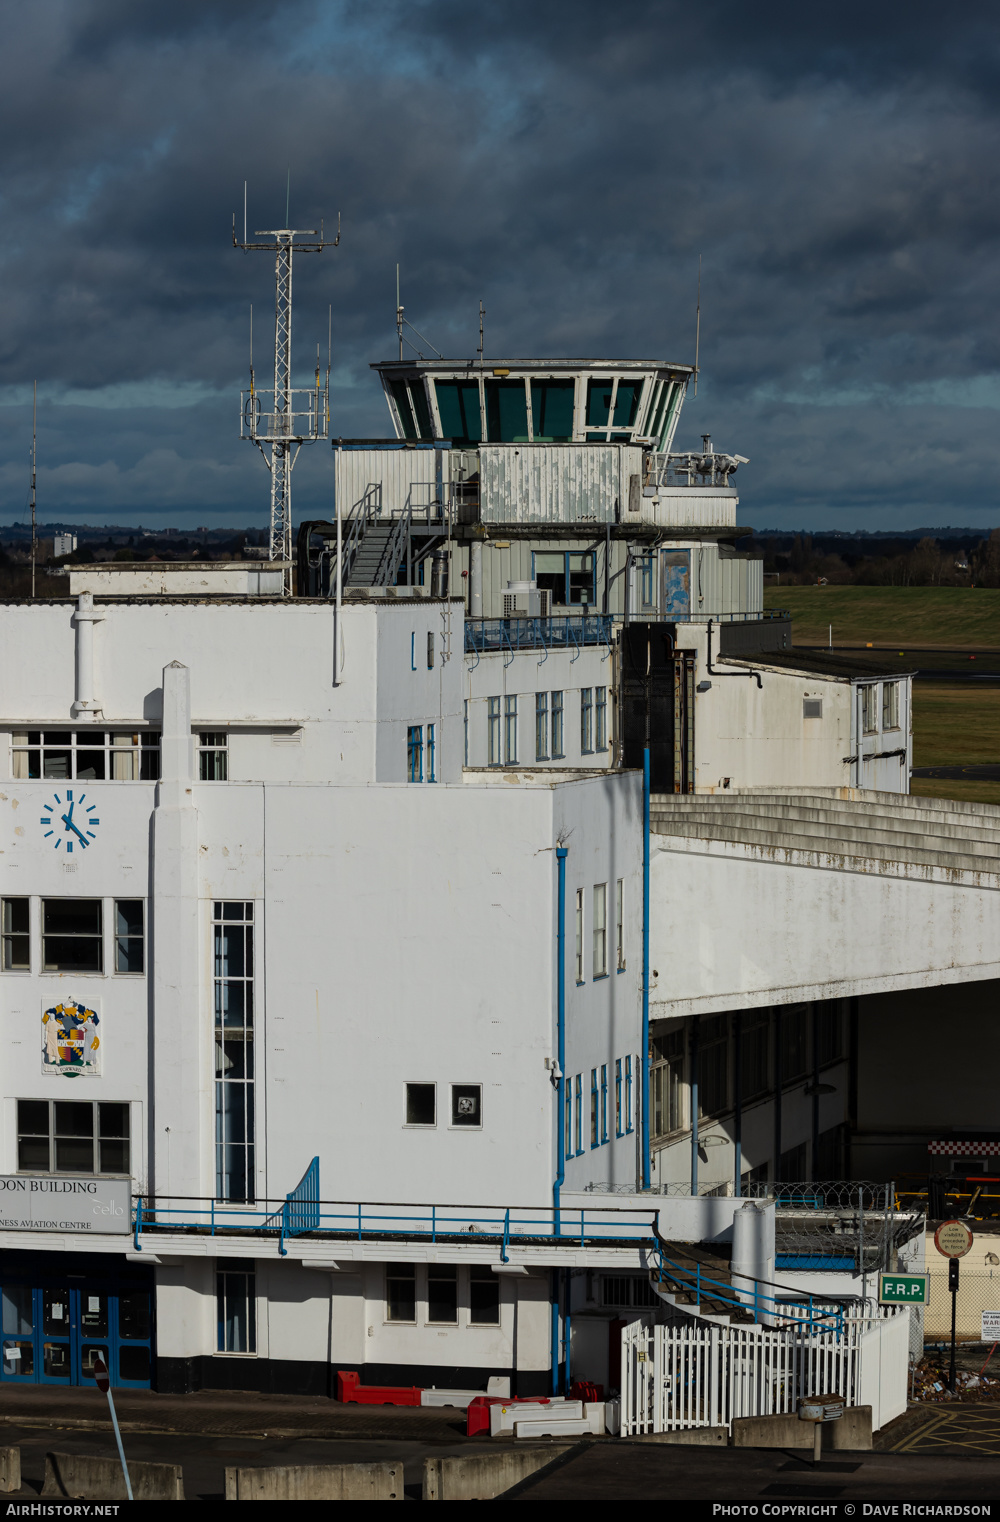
(599, 403)
(552, 411)
(458, 409)
(506, 412)
(627, 403)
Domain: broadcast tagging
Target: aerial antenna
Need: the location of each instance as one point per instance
(244, 211)
(697, 329)
(402, 321)
(399, 316)
(34, 459)
(482, 314)
(279, 422)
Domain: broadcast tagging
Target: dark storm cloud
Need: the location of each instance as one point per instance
(835, 165)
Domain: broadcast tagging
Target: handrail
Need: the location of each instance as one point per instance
(718, 1289)
(555, 633)
(388, 566)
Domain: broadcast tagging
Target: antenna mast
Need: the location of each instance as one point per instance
(697, 329)
(399, 316)
(482, 314)
(289, 417)
(34, 457)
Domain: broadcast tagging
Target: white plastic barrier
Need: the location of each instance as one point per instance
(502, 1418)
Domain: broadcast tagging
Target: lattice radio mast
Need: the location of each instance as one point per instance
(280, 421)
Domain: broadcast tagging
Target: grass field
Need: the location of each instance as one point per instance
(967, 792)
(955, 725)
(959, 616)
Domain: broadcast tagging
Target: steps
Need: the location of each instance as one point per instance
(901, 832)
(710, 1299)
(369, 555)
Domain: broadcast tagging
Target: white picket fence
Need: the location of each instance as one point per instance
(706, 1375)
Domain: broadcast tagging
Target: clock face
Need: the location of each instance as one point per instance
(70, 821)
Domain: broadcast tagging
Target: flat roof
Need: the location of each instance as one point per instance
(491, 366)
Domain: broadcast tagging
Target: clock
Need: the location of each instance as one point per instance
(70, 821)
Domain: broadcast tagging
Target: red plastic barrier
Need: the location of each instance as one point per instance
(478, 1409)
(350, 1390)
(586, 1390)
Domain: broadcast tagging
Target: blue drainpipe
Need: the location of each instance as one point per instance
(645, 969)
(561, 852)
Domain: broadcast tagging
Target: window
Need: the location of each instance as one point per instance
(713, 1065)
(213, 755)
(557, 726)
(72, 1136)
(431, 754)
(568, 1117)
(595, 1110)
(620, 924)
(495, 755)
(510, 729)
(604, 1103)
(421, 1104)
(666, 1083)
(601, 704)
(415, 753)
(828, 1033)
(579, 935)
(578, 1113)
(88, 754)
(466, 1104)
(442, 1294)
(569, 576)
(599, 934)
(793, 1042)
(465, 732)
(129, 939)
(541, 726)
(627, 1289)
(400, 1292)
(869, 712)
(458, 409)
(812, 708)
(586, 720)
(647, 581)
(890, 705)
(628, 1095)
(430, 650)
(552, 411)
(232, 939)
(755, 1067)
(506, 412)
(484, 1296)
(72, 935)
(236, 1291)
(16, 941)
(619, 1109)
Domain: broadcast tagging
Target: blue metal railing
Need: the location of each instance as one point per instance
(808, 1315)
(483, 635)
(299, 1212)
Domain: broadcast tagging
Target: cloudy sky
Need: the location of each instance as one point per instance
(836, 165)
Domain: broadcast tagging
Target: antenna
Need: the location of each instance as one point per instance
(244, 211)
(279, 422)
(482, 314)
(399, 316)
(697, 329)
(34, 459)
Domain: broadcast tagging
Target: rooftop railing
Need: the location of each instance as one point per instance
(484, 635)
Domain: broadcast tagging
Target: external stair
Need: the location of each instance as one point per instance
(708, 1297)
(370, 553)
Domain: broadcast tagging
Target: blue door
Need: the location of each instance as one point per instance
(55, 1328)
(676, 570)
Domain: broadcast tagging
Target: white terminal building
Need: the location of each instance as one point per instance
(359, 1015)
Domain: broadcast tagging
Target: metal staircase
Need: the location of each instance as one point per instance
(698, 1282)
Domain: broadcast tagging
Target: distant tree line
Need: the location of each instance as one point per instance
(805, 559)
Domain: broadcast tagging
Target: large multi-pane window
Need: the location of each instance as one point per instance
(431, 754)
(600, 930)
(14, 921)
(601, 715)
(72, 1136)
(755, 1067)
(569, 576)
(869, 709)
(129, 938)
(89, 755)
(890, 705)
(666, 1083)
(579, 935)
(237, 1307)
(400, 1292)
(578, 1117)
(494, 753)
(415, 753)
(541, 726)
(72, 935)
(713, 1065)
(213, 755)
(595, 1110)
(557, 726)
(442, 1294)
(586, 720)
(484, 1295)
(620, 924)
(510, 729)
(232, 935)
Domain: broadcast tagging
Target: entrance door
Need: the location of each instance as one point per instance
(53, 1332)
(56, 1333)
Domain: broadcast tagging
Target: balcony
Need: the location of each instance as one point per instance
(486, 635)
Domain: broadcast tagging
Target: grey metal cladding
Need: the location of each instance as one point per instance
(541, 483)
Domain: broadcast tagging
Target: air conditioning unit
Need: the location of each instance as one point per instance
(522, 599)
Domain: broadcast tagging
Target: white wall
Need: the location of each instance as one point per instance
(525, 674)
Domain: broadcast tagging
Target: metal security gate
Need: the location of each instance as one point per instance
(676, 1377)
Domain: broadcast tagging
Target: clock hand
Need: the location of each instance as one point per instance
(68, 822)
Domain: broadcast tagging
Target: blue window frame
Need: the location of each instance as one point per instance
(541, 726)
(568, 1106)
(586, 720)
(628, 1094)
(413, 652)
(233, 977)
(579, 1113)
(465, 732)
(54, 1331)
(619, 1113)
(604, 1103)
(595, 1111)
(415, 753)
(557, 726)
(494, 756)
(510, 729)
(431, 751)
(570, 575)
(601, 706)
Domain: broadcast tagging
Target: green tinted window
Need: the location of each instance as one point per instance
(599, 403)
(506, 412)
(402, 400)
(418, 397)
(552, 411)
(458, 405)
(627, 403)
